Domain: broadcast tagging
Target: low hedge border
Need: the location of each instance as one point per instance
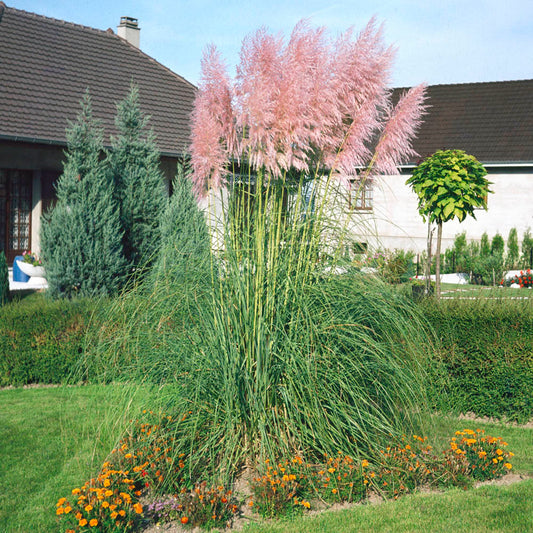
(484, 358)
(41, 339)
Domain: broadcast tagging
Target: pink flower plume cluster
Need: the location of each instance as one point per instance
(306, 104)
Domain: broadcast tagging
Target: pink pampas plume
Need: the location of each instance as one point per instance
(394, 145)
(213, 124)
(309, 104)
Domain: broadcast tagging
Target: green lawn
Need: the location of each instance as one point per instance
(478, 291)
(52, 439)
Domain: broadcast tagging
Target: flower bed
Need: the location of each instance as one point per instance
(524, 280)
(147, 465)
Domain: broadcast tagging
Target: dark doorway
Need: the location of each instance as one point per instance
(15, 211)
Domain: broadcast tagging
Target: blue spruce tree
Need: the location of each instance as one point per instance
(81, 238)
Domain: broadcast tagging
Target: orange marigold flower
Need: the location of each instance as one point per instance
(60, 511)
(184, 519)
(82, 522)
(122, 512)
(105, 504)
(88, 508)
(68, 508)
(138, 508)
(334, 491)
(75, 491)
(93, 522)
(508, 466)
(364, 463)
(114, 514)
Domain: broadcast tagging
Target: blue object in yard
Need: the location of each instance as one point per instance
(18, 275)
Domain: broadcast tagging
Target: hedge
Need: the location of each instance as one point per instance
(41, 340)
(484, 358)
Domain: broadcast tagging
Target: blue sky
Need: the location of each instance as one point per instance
(438, 41)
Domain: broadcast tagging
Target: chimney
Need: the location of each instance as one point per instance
(129, 29)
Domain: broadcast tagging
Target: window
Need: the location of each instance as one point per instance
(361, 195)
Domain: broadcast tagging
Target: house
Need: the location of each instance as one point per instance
(492, 121)
(45, 67)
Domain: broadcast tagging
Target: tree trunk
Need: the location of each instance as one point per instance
(437, 266)
(428, 264)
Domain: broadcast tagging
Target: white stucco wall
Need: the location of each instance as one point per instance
(395, 222)
(399, 225)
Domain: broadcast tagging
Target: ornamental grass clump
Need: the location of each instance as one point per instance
(271, 352)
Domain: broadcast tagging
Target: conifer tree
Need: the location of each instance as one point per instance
(513, 252)
(527, 250)
(4, 280)
(185, 241)
(81, 238)
(139, 185)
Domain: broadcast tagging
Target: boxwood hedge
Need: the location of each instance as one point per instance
(41, 339)
(484, 357)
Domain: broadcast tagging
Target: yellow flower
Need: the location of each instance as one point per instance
(508, 466)
(82, 522)
(88, 508)
(93, 522)
(107, 482)
(122, 512)
(59, 511)
(499, 452)
(68, 508)
(494, 460)
(114, 514)
(75, 491)
(105, 504)
(109, 493)
(306, 504)
(334, 491)
(364, 463)
(482, 454)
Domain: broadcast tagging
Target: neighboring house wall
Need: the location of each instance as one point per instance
(399, 225)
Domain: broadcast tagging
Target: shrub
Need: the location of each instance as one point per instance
(397, 266)
(484, 362)
(4, 280)
(41, 341)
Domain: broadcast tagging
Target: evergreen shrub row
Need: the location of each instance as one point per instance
(41, 340)
(484, 357)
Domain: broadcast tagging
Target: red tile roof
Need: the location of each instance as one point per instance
(47, 64)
